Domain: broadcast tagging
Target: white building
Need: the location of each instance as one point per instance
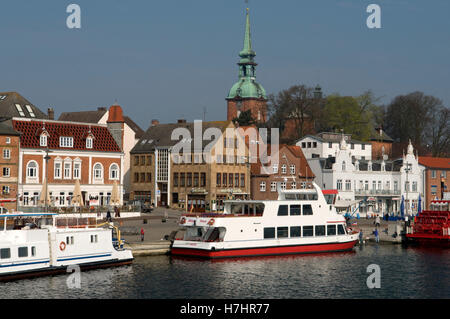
(326, 145)
(367, 186)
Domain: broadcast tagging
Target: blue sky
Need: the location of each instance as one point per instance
(171, 59)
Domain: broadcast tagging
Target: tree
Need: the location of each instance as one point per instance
(421, 118)
(299, 105)
(345, 113)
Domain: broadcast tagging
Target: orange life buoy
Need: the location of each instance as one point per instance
(62, 246)
(182, 220)
(211, 222)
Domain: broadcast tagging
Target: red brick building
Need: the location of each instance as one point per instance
(437, 177)
(291, 172)
(76, 151)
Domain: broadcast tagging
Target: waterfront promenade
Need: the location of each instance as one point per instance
(156, 230)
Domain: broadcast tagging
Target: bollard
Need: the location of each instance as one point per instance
(145, 221)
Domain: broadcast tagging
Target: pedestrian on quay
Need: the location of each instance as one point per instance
(142, 233)
(108, 216)
(377, 236)
(361, 237)
(377, 221)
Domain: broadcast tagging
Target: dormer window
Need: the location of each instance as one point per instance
(43, 139)
(65, 141)
(20, 110)
(89, 142)
(30, 111)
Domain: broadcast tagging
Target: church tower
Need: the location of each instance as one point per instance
(247, 94)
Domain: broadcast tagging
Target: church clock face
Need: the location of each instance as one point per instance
(239, 104)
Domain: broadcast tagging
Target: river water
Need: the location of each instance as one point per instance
(404, 273)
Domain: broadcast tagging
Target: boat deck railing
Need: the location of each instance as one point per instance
(219, 215)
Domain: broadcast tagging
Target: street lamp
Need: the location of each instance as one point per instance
(47, 157)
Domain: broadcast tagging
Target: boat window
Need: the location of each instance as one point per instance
(5, 253)
(331, 230)
(295, 209)
(308, 231)
(307, 210)
(194, 233)
(320, 230)
(33, 251)
(341, 229)
(290, 196)
(259, 209)
(282, 232)
(23, 251)
(236, 209)
(269, 232)
(283, 210)
(296, 231)
(312, 196)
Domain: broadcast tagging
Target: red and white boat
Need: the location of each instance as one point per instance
(300, 221)
(432, 227)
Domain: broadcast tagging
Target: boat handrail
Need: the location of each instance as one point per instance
(219, 215)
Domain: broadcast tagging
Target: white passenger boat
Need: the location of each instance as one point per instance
(300, 221)
(49, 244)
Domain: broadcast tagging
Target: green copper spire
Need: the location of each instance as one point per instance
(247, 87)
(247, 53)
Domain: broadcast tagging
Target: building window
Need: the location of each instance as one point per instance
(339, 184)
(348, 185)
(202, 179)
(275, 168)
(406, 186)
(292, 169)
(98, 171)
(136, 160)
(30, 110)
(374, 185)
(303, 144)
(65, 141)
(443, 174)
(196, 180)
(363, 147)
(6, 172)
(224, 179)
(8, 140)
(343, 166)
(262, 186)
(330, 145)
(273, 186)
(32, 169)
(189, 180)
(283, 185)
(20, 110)
(242, 180)
(5, 190)
(6, 153)
(218, 179)
(43, 140)
(114, 172)
(182, 180)
(283, 169)
(175, 179)
(395, 186)
(293, 185)
(314, 144)
(149, 177)
(57, 170)
(76, 170)
(414, 186)
(67, 170)
(89, 143)
(230, 179)
(433, 173)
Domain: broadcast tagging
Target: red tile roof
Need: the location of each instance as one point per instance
(435, 162)
(103, 140)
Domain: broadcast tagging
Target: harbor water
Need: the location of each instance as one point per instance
(404, 273)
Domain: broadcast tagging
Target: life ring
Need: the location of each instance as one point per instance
(62, 246)
(211, 222)
(182, 220)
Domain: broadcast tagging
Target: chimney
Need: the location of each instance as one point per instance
(51, 113)
(155, 122)
(181, 121)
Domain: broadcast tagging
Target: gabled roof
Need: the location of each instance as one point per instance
(161, 135)
(8, 108)
(435, 162)
(83, 116)
(332, 140)
(103, 142)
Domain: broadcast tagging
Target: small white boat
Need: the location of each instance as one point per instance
(300, 221)
(47, 246)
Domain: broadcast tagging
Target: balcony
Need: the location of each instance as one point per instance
(377, 192)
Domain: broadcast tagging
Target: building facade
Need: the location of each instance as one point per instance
(9, 148)
(58, 153)
(437, 178)
(291, 171)
(194, 179)
(368, 187)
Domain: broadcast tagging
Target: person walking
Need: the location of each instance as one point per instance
(142, 234)
(377, 221)
(377, 236)
(361, 237)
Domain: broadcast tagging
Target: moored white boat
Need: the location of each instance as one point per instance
(47, 247)
(300, 221)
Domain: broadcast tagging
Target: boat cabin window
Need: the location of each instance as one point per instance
(282, 232)
(331, 230)
(308, 231)
(295, 210)
(296, 231)
(23, 251)
(209, 234)
(69, 240)
(283, 210)
(247, 208)
(269, 232)
(5, 253)
(214, 234)
(300, 196)
(341, 229)
(307, 210)
(320, 230)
